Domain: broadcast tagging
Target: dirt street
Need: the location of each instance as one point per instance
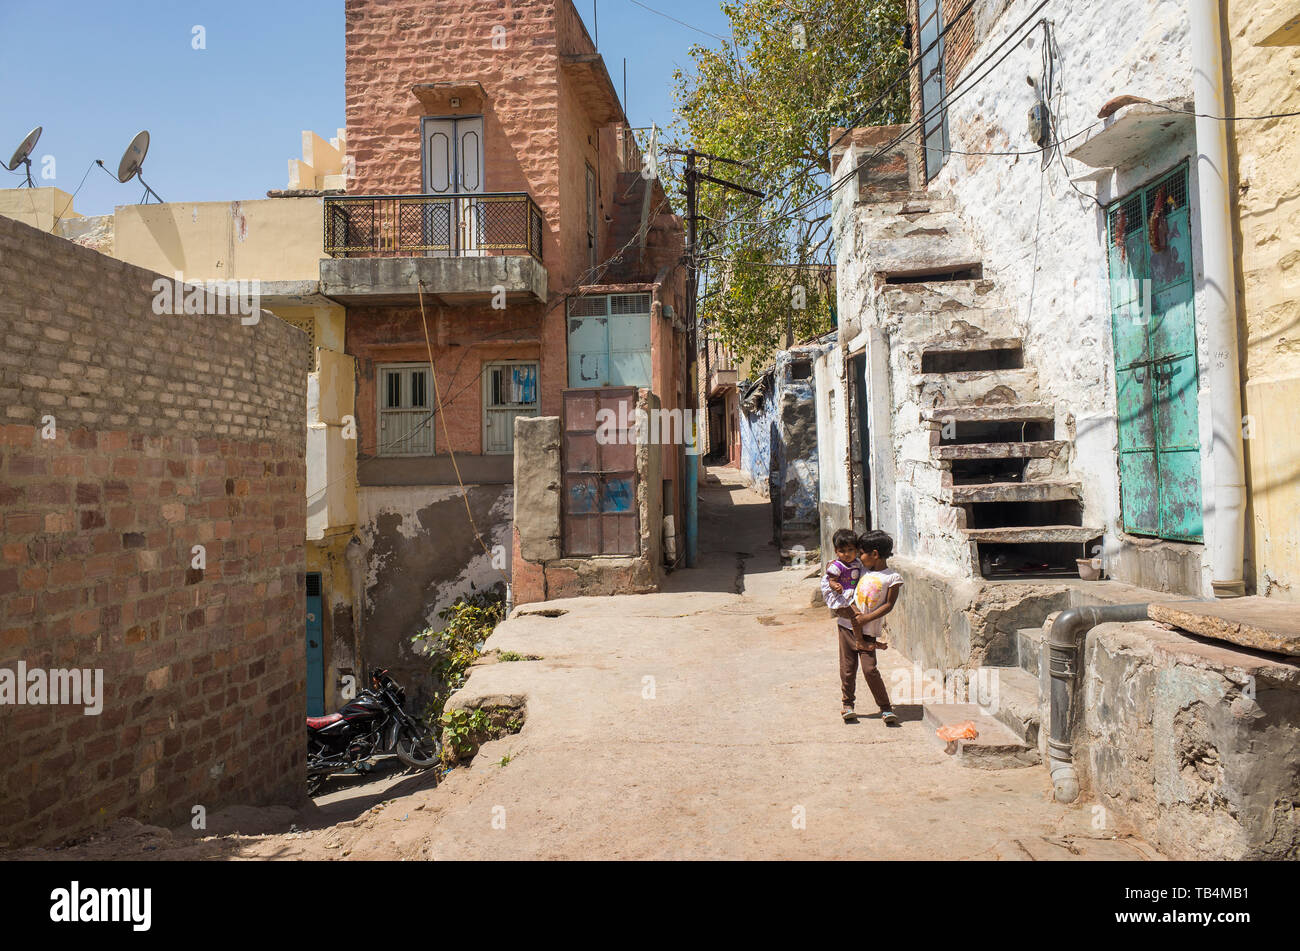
(701, 722)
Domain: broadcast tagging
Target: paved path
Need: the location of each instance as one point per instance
(739, 737)
(701, 722)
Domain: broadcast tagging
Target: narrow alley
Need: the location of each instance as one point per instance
(697, 723)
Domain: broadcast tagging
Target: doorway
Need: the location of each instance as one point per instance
(315, 647)
(1153, 321)
(453, 168)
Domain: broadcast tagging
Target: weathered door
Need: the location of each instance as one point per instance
(315, 648)
(598, 460)
(1154, 326)
(453, 167)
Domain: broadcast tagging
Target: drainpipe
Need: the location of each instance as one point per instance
(1065, 665)
(1227, 551)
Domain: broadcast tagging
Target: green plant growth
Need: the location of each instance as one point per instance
(470, 620)
(770, 98)
(464, 731)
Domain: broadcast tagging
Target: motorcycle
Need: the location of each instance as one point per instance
(373, 723)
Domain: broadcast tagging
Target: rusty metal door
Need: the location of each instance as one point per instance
(1154, 323)
(598, 460)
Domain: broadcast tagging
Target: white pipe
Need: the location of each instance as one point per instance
(1227, 541)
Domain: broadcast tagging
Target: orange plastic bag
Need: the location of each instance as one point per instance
(958, 731)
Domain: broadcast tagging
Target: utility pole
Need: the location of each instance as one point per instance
(693, 178)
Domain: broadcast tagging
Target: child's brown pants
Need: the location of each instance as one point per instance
(855, 651)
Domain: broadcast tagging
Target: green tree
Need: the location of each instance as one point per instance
(795, 70)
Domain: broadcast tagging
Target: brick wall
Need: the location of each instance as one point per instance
(170, 432)
(463, 340)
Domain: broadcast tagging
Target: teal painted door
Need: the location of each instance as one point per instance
(1154, 325)
(315, 648)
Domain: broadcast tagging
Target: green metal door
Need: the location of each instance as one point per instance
(1154, 325)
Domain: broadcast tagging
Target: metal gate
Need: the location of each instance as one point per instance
(1154, 326)
(598, 460)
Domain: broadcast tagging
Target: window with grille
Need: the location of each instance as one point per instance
(405, 405)
(509, 390)
(609, 340)
(934, 117)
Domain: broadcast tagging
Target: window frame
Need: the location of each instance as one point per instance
(381, 410)
(940, 123)
(487, 407)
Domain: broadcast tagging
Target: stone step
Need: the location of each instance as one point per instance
(993, 413)
(934, 297)
(966, 344)
(1031, 645)
(1040, 449)
(1047, 491)
(957, 327)
(1034, 534)
(978, 386)
(996, 747)
(1015, 703)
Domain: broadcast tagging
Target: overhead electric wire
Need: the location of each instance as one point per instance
(904, 73)
(964, 86)
(688, 26)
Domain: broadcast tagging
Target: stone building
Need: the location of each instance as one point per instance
(1037, 380)
(274, 246)
(498, 226)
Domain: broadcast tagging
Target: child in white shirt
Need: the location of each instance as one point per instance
(876, 593)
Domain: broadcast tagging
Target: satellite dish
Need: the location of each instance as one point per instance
(133, 158)
(23, 155)
(133, 162)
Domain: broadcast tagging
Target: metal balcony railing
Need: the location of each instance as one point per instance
(369, 226)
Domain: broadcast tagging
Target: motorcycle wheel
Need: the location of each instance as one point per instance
(419, 751)
(314, 783)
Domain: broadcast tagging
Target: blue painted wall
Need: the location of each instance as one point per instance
(778, 444)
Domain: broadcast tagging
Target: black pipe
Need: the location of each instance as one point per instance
(1065, 664)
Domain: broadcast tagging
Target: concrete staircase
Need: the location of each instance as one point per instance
(989, 462)
(999, 450)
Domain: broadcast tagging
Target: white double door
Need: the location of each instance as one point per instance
(453, 167)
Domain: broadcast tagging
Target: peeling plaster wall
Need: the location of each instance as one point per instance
(419, 555)
(1045, 245)
(756, 423)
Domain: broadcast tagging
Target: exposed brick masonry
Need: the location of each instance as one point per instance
(172, 431)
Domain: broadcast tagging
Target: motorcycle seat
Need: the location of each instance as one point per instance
(316, 723)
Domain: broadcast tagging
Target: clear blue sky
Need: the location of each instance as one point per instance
(225, 120)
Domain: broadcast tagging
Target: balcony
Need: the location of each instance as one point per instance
(721, 379)
(463, 248)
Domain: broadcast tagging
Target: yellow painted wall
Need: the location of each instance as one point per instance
(271, 239)
(1266, 79)
(37, 207)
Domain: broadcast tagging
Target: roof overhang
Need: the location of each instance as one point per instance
(1132, 131)
(596, 90)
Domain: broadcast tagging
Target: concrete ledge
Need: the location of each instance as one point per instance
(461, 280)
(1194, 743)
(1131, 131)
(437, 470)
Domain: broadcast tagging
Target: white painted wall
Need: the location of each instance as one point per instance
(832, 428)
(1043, 243)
